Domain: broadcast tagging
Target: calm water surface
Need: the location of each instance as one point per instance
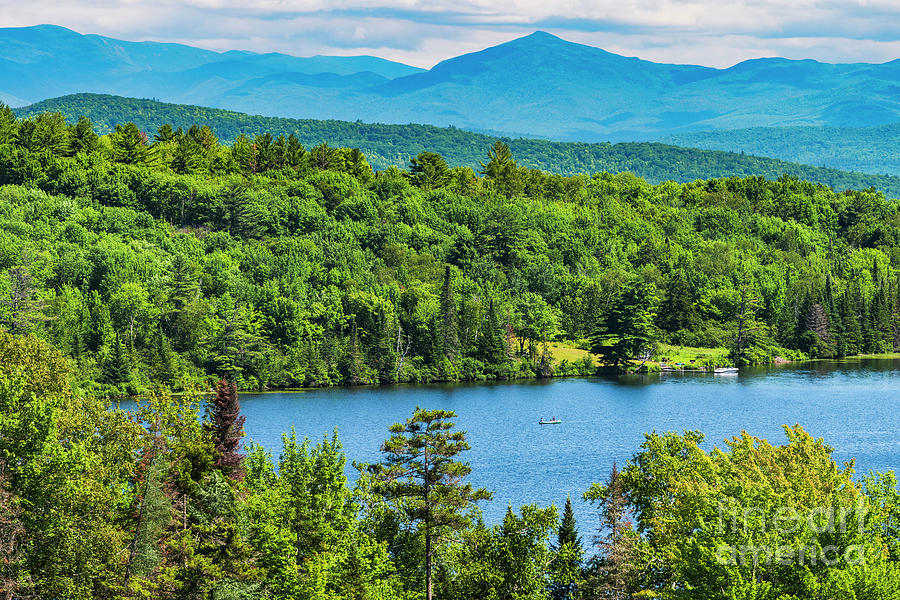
(854, 405)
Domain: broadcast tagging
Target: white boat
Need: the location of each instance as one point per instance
(725, 370)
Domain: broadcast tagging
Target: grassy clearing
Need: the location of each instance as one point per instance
(686, 354)
(567, 351)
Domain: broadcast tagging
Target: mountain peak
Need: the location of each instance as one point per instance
(542, 35)
(539, 38)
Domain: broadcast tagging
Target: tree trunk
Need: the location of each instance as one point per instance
(427, 528)
(427, 565)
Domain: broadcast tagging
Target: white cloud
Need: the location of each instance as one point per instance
(710, 32)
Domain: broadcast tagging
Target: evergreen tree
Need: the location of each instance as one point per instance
(244, 155)
(116, 368)
(429, 171)
(626, 331)
(449, 334)
(819, 342)
(422, 474)
(611, 573)
(492, 343)
(163, 361)
(355, 367)
(355, 163)
(188, 156)
(9, 125)
(502, 170)
(166, 133)
(50, 133)
(746, 324)
(853, 342)
(866, 324)
(225, 423)
(24, 309)
(677, 310)
(881, 317)
(294, 152)
(568, 556)
(384, 356)
(84, 138)
(129, 145)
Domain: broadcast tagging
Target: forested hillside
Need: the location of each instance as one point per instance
(861, 149)
(176, 259)
(395, 145)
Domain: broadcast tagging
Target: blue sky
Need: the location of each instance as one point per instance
(709, 32)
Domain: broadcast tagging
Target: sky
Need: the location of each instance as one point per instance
(715, 33)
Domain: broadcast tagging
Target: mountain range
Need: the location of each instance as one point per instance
(539, 85)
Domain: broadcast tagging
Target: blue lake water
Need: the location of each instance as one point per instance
(854, 405)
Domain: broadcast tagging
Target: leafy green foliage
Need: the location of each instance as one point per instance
(398, 145)
(97, 503)
(752, 520)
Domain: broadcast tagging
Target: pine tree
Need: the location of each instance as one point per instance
(491, 343)
(866, 326)
(129, 145)
(429, 171)
(84, 138)
(449, 334)
(611, 571)
(677, 311)
(881, 318)
(626, 331)
(354, 359)
(895, 315)
(116, 368)
(819, 341)
(226, 426)
(9, 125)
(163, 360)
(852, 331)
(545, 365)
(568, 556)
(421, 472)
(384, 357)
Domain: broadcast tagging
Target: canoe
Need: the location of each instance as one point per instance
(553, 422)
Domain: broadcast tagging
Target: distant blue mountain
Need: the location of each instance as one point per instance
(46, 60)
(538, 85)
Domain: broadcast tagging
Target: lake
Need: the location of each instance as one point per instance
(854, 405)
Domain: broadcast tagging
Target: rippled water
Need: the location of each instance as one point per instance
(854, 405)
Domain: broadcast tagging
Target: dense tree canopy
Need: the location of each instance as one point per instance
(171, 258)
(388, 145)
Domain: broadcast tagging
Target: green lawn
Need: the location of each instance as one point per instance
(685, 354)
(566, 351)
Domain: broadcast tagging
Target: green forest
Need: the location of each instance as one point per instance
(99, 503)
(143, 262)
(172, 259)
(861, 149)
(395, 145)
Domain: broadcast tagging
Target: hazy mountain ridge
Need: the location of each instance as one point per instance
(46, 61)
(538, 85)
(861, 149)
